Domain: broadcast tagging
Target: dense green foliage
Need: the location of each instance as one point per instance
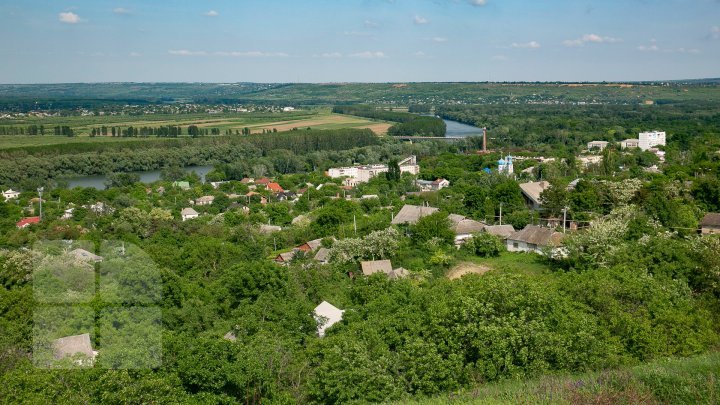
(408, 124)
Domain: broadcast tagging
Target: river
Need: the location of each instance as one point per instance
(98, 181)
(458, 129)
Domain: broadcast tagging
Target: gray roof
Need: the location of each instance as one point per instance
(71, 345)
(188, 211)
(83, 254)
(375, 266)
(710, 219)
(410, 214)
(264, 228)
(465, 226)
(500, 230)
(322, 255)
(533, 190)
(230, 336)
(286, 256)
(400, 272)
(538, 235)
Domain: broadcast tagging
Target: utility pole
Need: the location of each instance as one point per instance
(564, 217)
(355, 224)
(40, 191)
(501, 213)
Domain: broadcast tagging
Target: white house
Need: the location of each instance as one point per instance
(363, 173)
(533, 238)
(435, 185)
(597, 145)
(288, 109)
(205, 200)
(464, 228)
(188, 213)
(10, 194)
(532, 190)
(647, 140)
(629, 143)
(326, 315)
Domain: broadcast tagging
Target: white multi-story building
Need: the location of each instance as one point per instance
(647, 140)
(363, 174)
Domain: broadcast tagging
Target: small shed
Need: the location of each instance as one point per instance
(326, 315)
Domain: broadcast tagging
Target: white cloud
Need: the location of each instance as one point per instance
(419, 54)
(121, 10)
(368, 55)
(212, 13)
(251, 54)
(69, 18)
(439, 39)
(185, 52)
(526, 45)
(715, 32)
(652, 47)
(245, 54)
(370, 24)
(135, 54)
(478, 3)
(330, 55)
(593, 38)
(420, 20)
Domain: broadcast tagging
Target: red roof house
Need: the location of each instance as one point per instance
(27, 221)
(274, 187)
(263, 181)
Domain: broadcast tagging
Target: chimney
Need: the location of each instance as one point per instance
(484, 140)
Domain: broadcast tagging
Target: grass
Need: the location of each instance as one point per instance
(693, 380)
(526, 264)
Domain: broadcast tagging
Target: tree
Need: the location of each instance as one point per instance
(433, 226)
(393, 173)
(484, 244)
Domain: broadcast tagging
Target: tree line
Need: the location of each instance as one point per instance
(407, 124)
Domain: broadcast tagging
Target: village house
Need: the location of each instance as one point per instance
(205, 200)
(188, 213)
(501, 231)
(533, 238)
(710, 223)
(435, 185)
(286, 257)
(68, 213)
(411, 214)
(326, 315)
(183, 185)
(82, 254)
(371, 267)
(274, 187)
(464, 228)
(586, 161)
(10, 194)
(323, 255)
(247, 180)
(266, 228)
(531, 191)
(25, 222)
(71, 346)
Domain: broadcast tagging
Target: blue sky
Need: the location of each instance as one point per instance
(357, 40)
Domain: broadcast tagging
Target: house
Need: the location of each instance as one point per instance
(464, 228)
(205, 200)
(376, 266)
(629, 143)
(502, 231)
(10, 194)
(435, 185)
(531, 191)
(100, 208)
(300, 220)
(533, 238)
(160, 190)
(326, 315)
(286, 257)
(410, 214)
(710, 223)
(217, 184)
(322, 255)
(247, 180)
(263, 181)
(25, 222)
(288, 109)
(286, 196)
(188, 213)
(647, 140)
(311, 246)
(597, 145)
(274, 187)
(183, 185)
(362, 174)
(586, 161)
(230, 336)
(82, 254)
(398, 273)
(71, 346)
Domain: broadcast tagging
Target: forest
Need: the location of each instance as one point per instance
(408, 124)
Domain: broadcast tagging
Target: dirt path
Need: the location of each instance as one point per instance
(466, 268)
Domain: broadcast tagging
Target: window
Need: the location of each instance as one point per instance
(515, 245)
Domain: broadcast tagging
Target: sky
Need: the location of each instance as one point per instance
(318, 41)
